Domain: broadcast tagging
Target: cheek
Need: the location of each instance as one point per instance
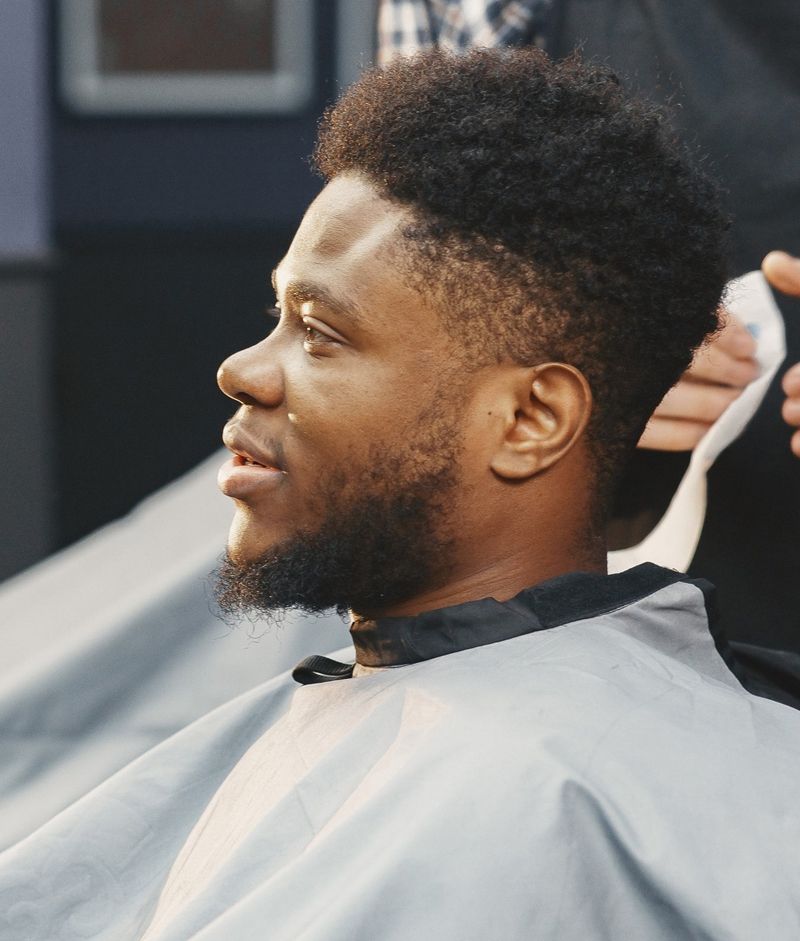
(350, 416)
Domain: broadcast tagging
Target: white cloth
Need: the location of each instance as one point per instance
(607, 778)
(673, 540)
(111, 646)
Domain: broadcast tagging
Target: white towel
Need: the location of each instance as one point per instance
(673, 541)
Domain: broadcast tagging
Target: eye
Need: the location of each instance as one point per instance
(317, 336)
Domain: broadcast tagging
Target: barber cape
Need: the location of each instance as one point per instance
(579, 762)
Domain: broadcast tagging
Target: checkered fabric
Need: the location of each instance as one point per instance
(407, 26)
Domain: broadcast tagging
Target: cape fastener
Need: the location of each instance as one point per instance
(318, 669)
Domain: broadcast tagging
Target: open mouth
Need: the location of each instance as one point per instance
(244, 460)
(243, 477)
(249, 453)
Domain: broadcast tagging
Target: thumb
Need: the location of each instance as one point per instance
(783, 272)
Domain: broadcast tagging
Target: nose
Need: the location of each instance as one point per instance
(252, 377)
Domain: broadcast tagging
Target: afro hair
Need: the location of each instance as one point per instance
(554, 218)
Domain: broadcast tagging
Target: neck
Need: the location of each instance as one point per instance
(500, 578)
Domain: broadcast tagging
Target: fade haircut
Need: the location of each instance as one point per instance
(554, 218)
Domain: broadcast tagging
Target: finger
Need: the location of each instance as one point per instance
(791, 412)
(728, 358)
(716, 366)
(672, 434)
(791, 381)
(794, 444)
(734, 338)
(696, 401)
(783, 272)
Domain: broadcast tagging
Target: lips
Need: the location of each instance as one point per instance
(254, 471)
(248, 453)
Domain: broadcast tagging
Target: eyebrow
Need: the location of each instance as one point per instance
(301, 291)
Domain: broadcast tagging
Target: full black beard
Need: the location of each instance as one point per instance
(389, 542)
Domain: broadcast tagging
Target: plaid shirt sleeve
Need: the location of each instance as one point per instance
(407, 26)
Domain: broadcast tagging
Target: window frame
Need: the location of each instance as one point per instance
(285, 89)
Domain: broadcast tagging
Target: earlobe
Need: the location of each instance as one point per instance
(553, 405)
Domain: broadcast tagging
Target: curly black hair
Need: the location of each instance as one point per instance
(554, 219)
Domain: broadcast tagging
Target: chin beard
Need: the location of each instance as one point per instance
(385, 536)
(377, 552)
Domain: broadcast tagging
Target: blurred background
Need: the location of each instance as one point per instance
(153, 167)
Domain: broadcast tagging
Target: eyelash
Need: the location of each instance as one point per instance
(314, 336)
(275, 313)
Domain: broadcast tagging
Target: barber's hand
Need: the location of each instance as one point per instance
(719, 372)
(783, 273)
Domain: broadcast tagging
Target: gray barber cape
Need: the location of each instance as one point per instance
(579, 762)
(112, 645)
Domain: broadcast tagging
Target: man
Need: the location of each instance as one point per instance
(525, 746)
(729, 71)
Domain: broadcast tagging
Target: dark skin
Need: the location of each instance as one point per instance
(355, 359)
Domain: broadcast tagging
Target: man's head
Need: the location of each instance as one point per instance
(509, 266)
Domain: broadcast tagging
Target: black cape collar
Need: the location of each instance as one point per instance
(388, 642)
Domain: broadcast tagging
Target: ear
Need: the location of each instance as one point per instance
(551, 405)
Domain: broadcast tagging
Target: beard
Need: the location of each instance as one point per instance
(386, 535)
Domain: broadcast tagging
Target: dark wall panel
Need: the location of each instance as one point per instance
(143, 322)
(176, 174)
(166, 229)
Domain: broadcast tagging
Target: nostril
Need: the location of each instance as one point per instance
(242, 397)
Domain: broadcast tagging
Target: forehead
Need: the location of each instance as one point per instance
(348, 217)
(350, 243)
